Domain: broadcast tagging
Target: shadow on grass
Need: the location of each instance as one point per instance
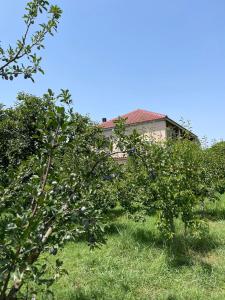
(115, 228)
(212, 214)
(182, 250)
(206, 267)
(185, 250)
(148, 238)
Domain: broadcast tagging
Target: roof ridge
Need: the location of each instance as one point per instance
(143, 110)
(135, 116)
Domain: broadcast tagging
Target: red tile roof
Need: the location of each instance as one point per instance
(134, 117)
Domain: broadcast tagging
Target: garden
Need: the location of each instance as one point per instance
(76, 224)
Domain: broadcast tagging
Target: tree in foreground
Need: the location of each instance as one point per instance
(56, 186)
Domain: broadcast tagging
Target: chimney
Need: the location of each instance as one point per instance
(104, 120)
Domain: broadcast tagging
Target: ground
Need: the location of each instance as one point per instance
(135, 263)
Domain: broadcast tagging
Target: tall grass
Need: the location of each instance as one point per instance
(136, 264)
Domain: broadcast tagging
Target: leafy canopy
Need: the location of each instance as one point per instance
(55, 191)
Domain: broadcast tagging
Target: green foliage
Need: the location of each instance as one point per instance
(216, 160)
(19, 133)
(169, 178)
(23, 59)
(56, 184)
(58, 179)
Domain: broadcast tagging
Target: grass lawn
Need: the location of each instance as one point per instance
(135, 264)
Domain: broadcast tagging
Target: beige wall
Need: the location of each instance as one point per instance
(155, 130)
(151, 131)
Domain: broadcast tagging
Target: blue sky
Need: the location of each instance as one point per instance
(119, 55)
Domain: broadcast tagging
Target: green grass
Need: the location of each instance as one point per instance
(136, 264)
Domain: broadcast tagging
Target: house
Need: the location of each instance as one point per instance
(153, 126)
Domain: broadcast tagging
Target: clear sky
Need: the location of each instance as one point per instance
(119, 55)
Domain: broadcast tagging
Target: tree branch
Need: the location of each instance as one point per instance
(17, 55)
